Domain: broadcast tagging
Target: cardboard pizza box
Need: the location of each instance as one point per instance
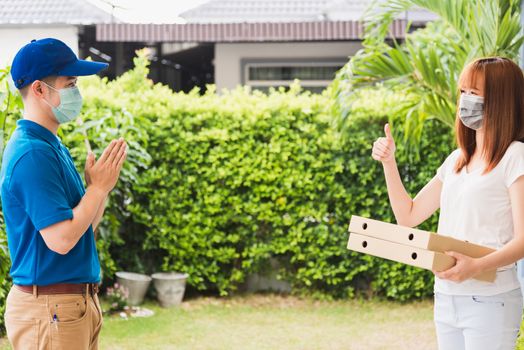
(420, 239)
(422, 258)
(416, 238)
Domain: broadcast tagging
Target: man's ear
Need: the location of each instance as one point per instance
(36, 88)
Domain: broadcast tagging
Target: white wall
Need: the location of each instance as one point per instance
(13, 38)
(228, 56)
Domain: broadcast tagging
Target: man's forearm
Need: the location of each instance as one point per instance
(99, 215)
(64, 235)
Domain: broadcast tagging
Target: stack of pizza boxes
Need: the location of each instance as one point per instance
(411, 246)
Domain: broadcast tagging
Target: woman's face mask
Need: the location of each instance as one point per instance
(70, 104)
(471, 110)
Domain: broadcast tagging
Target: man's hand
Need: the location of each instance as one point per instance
(90, 162)
(103, 174)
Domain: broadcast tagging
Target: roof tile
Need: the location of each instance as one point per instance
(51, 12)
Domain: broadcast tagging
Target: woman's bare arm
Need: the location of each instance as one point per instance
(408, 212)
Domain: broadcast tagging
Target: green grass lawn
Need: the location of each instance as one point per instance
(274, 322)
(262, 322)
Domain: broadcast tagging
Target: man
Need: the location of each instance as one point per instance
(50, 216)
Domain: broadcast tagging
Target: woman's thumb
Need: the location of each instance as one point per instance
(387, 131)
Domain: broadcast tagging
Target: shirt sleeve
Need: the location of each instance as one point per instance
(37, 184)
(443, 168)
(440, 171)
(515, 164)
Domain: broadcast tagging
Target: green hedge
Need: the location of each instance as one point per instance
(239, 177)
(217, 184)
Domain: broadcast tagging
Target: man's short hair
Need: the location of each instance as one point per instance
(48, 80)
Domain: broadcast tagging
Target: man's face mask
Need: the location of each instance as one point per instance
(471, 110)
(70, 104)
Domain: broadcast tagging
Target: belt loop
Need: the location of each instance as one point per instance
(87, 290)
(35, 291)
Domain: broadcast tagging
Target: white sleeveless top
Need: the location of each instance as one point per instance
(477, 208)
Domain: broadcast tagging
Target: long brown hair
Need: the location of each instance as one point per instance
(503, 120)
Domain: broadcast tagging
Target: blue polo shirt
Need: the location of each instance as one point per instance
(40, 186)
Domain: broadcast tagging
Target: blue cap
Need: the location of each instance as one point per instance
(46, 57)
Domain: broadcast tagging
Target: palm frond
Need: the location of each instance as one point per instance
(427, 64)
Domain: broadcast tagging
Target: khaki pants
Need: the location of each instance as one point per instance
(29, 320)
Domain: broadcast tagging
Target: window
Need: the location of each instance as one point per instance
(313, 75)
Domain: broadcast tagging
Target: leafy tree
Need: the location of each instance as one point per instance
(426, 66)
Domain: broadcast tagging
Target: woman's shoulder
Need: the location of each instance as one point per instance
(452, 157)
(516, 148)
(517, 145)
(455, 154)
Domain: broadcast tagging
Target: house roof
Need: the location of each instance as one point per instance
(240, 32)
(75, 12)
(263, 21)
(221, 11)
(237, 11)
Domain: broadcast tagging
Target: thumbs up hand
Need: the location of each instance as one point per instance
(384, 147)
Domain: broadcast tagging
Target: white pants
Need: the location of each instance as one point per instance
(478, 322)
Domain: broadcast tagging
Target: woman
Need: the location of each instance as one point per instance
(480, 192)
